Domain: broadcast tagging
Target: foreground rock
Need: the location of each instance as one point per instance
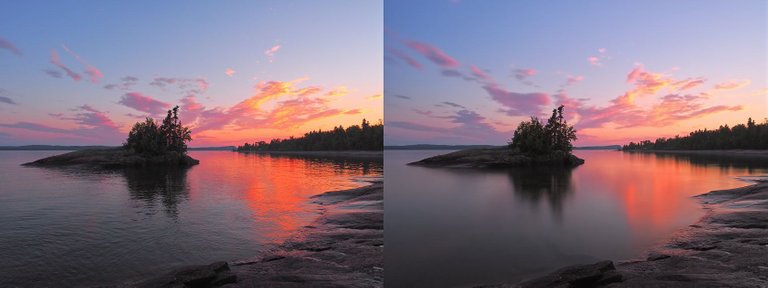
(728, 247)
(116, 158)
(344, 247)
(500, 157)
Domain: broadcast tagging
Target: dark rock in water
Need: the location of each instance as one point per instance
(114, 158)
(657, 256)
(212, 275)
(500, 157)
(590, 275)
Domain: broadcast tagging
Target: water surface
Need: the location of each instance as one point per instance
(75, 227)
(451, 227)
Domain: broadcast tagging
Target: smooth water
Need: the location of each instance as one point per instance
(455, 227)
(75, 227)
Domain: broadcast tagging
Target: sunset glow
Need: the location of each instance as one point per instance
(248, 72)
(637, 72)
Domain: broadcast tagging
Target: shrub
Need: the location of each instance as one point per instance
(532, 137)
(150, 139)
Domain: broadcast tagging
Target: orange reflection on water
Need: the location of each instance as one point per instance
(656, 190)
(277, 190)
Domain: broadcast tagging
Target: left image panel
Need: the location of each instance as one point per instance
(182, 144)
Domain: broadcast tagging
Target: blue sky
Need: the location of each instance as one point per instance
(527, 50)
(336, 46)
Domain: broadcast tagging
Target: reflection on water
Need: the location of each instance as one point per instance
(552, 184)
(164, 184)
(452, 227)
(61, 227)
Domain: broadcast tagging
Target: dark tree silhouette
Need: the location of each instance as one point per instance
(355, 137)
(533, 137)
(750, 136)
(150, 139)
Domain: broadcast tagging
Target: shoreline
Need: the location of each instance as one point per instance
(727, 247)
(343, 246)
(730, 153)
(341, 154)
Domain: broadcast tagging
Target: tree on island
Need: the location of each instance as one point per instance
(535, 138)
(150, 139)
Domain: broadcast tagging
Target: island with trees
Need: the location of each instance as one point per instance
(533, 144)
(751, 136)
(364, 137)
(148, 144)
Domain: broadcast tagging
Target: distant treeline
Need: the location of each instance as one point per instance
(355, 137)
(749, 136)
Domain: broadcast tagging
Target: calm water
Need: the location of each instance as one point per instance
(448, 227)
(65, 227)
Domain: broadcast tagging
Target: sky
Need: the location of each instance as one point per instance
(467, 72)
(83, 72)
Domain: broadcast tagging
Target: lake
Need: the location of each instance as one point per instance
(454, 227)
(75, 227)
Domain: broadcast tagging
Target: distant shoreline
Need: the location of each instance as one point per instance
(342, 153)
(740, 152)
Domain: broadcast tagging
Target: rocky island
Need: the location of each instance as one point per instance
(114, 158)
(533, 144)
(148, 144)
(501, 157)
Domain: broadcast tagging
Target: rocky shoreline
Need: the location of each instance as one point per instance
(500, 157)
(344, 247)
(728, 247)
(113, 158)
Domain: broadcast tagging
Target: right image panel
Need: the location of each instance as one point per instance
(576, 143)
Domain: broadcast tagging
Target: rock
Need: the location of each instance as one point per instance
(211, 275)
(114, 158)
(590, 275)
(500, 157)
(657, 256)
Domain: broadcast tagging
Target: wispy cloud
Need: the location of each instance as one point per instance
(144, 103)
(229, 72)
(90, 70)
(270, 53)
(598, 59)
(8, 45)
(434, 54)
(732, 84)
(524, 74)
(400, 54)
(56, 60)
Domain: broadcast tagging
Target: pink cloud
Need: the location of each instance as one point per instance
(480, 74)
(93, 125)
(518, 104)
(524, 74)
(90, 70)
(405, 57)
(434, 54)
(8, 45)
(271, 52)
(732, 84)
(144, 103)
(597, 60)
(571, 80)
(229, 72)
(56, 60)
